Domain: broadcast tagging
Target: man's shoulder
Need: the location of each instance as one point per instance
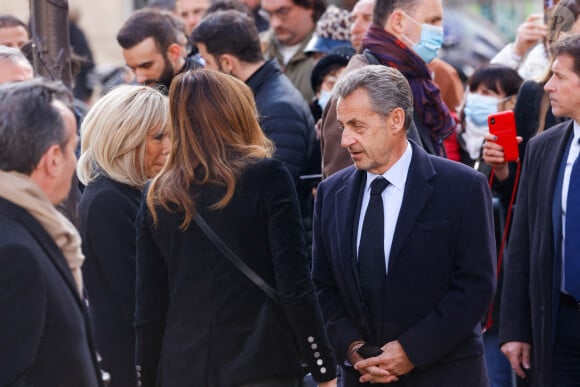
(556, 131)
(16, 226)
(339, 179)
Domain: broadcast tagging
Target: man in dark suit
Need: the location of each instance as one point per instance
(44, 334)
(540, 309)
(412, 276)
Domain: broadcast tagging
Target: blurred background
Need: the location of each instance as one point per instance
(474, 29)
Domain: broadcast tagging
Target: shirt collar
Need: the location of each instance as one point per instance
(397, 174)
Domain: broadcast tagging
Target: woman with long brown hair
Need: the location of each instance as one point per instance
(200, 321)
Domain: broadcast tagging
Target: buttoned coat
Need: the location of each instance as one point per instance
(199, 320)
(531, 291)
(441, 270)
(45, 338)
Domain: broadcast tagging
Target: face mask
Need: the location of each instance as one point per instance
(430, 41)
(324, 98)
(478, 107)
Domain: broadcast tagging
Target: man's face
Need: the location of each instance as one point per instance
(150, 66)
(361, 18)
(291, 23)
(426, 12)
(191, 12)
(15, 72)
(14, 36)
(365, 134)
(563, 87)
(69, 160)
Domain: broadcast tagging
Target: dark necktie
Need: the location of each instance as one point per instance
(371, 255)
(572, 242)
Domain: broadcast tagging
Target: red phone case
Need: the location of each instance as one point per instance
(503, 126)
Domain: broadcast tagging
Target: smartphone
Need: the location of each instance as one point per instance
(369, 350)
(503, 126)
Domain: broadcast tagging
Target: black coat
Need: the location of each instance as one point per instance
(107, 211)
(199, 320)
(45, 339)
(532, 276)
(441, 272)
(284, 116)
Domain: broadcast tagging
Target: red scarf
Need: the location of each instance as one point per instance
(427, 102)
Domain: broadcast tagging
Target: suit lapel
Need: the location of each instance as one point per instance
(48, 246)
(418, 190)
(347, 213)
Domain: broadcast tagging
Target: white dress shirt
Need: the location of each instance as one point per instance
(392, 199)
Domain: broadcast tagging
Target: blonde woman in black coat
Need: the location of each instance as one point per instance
(199, 320)
(124, 143)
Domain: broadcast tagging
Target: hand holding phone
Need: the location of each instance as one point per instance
(503, 126)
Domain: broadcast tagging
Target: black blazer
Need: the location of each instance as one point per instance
(532, 278)
(441, 274)
(107, 211)
(45, 338)
(199, 320)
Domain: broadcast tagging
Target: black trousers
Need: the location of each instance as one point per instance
(566, 372)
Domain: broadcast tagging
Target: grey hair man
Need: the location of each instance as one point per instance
(14, 66)
(45, 337)
(402, 285)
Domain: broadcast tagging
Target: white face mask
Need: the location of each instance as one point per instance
(324, 98)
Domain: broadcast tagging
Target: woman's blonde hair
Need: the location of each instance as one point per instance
(114, 134)
(214, 135)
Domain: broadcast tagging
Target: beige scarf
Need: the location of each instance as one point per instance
(20, 190)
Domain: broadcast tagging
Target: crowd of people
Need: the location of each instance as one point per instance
(287, 192)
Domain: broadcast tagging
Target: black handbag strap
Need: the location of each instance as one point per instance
(241, 265)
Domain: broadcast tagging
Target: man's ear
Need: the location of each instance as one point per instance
(396, 22)
(398, 120)
(228, 63)
(51, 161)
(174, 53)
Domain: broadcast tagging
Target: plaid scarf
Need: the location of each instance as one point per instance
(427, 102)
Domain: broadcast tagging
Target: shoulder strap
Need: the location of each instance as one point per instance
(241, 265)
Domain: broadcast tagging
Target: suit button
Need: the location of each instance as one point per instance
(138, 368)
(322, 370)
(310, 339)
(317, 354)
(319, 362)
(314, 346)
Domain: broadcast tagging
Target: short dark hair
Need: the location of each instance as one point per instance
(570, 45)
(12, 21)
(165, 28)
(318, 6)
(384, 8)
(229, 32)
(30, 123)
(226, 5)
(496, 77)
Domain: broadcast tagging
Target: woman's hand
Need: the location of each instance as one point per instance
(492, 154)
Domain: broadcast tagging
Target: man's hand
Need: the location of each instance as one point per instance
(529, 33)
(518, 354)
(386, 367)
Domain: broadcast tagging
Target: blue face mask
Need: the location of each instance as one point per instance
(429, 43)
(478, 107)
(324, 98)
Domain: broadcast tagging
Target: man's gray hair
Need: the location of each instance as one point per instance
(386, 86)
(12, 55)
(30, 123)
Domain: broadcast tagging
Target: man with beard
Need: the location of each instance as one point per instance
(155, 47)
